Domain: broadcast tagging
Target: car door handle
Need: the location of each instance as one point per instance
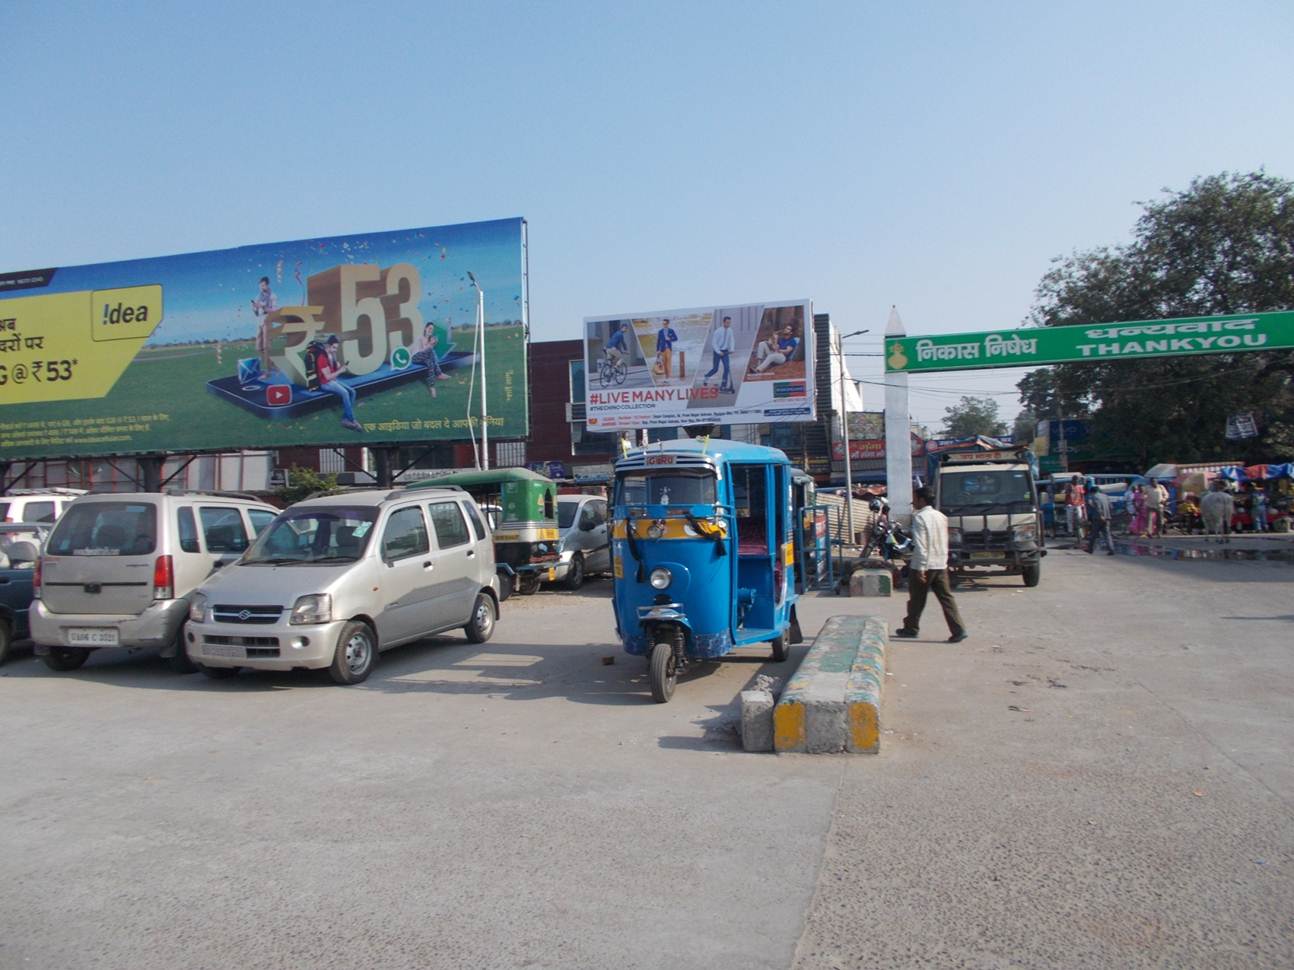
(471, 553)
(429, 565)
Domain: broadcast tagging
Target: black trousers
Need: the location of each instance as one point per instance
(936, 582)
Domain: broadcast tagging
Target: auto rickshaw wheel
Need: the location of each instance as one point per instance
(780, 653)
(528, 584)
(664, 672)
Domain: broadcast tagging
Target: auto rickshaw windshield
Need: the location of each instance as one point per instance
(670, 486)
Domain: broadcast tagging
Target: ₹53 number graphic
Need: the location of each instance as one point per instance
(49, 371)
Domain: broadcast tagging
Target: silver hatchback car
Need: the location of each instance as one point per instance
(332, 581)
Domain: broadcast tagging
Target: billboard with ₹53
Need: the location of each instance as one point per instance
(364, 339)
(747, 364)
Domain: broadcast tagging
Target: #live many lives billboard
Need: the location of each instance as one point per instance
(1092, 343)
(750, 364)
(350, 339)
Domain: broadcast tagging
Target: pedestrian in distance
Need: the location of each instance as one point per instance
(1099, 518)
(1138, 525)
(1075, 496)
(928, 570)
(1258, 508)
(1156, 504)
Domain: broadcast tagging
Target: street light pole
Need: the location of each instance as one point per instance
(844, 432)
(480, 331)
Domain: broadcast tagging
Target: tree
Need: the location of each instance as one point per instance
(972, 416)
(1224, 245)
(304, 482)
(1023, 427)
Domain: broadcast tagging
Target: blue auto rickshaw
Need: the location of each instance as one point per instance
(703, 553)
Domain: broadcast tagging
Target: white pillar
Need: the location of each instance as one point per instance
(898, 433)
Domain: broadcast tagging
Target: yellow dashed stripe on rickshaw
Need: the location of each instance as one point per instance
(674, 529)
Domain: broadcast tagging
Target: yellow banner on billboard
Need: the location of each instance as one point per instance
(70, 346)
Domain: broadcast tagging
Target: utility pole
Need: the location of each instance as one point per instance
(480, 333)
(844, 431)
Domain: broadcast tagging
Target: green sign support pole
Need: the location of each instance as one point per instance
(1091, 343)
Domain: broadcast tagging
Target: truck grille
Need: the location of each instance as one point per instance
(222, 613)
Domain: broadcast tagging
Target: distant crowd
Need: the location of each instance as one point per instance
(1151, 510)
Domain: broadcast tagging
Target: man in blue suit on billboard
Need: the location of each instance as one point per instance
(666, 337)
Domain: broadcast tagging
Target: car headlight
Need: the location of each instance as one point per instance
(1025, 533)
(315, 608)
(198, 611)
(660, 578)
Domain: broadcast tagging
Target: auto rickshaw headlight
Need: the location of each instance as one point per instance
(660, 578)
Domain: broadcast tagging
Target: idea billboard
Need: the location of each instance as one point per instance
(741, 364)
(364, 339)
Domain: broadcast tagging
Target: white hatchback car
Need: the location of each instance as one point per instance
(334, 580)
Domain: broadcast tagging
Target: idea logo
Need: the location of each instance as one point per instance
(277, 395)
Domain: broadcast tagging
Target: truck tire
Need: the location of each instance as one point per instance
(1032, 573)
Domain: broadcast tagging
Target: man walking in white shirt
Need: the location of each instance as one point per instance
(928, 570)
(721, 345)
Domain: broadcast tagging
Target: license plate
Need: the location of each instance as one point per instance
(92, 636)
(228, 651)
(983, 555)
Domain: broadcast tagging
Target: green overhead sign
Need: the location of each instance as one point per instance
(1092, 343)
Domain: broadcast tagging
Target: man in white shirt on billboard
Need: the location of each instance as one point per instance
(928, 570)
(722, 342)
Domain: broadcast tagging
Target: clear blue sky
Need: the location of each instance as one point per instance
(935, 156)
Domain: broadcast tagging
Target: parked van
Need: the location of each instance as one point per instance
(334, 580)
(118, 568)
(37, 505)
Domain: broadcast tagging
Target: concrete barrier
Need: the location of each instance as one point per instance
(833, 703)
(871, 582)
(757, 720)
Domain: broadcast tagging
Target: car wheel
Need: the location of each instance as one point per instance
(528, 583)
(66, 658)
(181, 663)
(6, 640)
(575, 573)
(355, 655)
(481, 627)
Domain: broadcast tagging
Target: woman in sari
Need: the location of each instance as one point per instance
(1139, 523)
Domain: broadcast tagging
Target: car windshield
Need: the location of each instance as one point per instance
(566, 514)
(997, 487)
(319, 534)
(106, 529)
(666, 487)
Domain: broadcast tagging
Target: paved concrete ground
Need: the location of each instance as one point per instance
(1100, 777)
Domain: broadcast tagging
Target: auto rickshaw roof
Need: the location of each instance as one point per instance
(695, 451)
(477, 478)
